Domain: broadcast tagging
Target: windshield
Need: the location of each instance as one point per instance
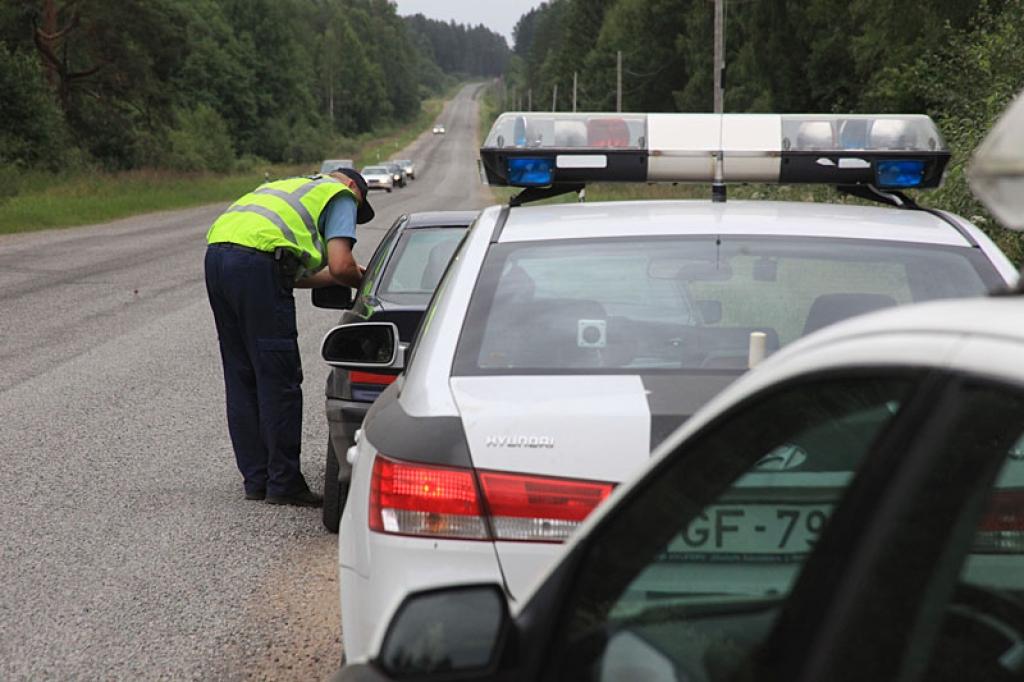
(688, 304)
(420, 259)
(375, 170)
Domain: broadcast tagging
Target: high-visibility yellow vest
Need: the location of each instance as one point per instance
(281, 213)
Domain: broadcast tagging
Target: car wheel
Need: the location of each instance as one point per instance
(335, 491)
(388, 190)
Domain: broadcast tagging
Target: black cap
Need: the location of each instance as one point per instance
(365, 213)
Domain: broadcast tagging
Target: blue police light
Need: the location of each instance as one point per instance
(899, 174)
(531, 171)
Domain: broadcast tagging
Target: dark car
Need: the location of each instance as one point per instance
(397, 173)
(399, 282)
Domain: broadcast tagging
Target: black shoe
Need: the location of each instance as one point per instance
(305, 498)
(255, 494)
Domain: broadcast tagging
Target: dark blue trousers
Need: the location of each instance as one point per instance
(255, 316)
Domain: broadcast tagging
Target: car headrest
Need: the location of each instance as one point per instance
(437, 262)
(831, 308)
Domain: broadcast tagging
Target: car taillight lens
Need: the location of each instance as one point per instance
(433, 501)
(371, 378)
(1002, 529)
(537, 508)
(413, 499)
(367, 386)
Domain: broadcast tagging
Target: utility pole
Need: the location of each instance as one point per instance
(554, 98)
(618, 79)
(514, 101)
(575, 75)
(529, 99)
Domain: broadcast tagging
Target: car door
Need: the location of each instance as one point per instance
(938, 591)
(688, 576)
(915, 577)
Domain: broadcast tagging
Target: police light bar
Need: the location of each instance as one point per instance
(544, 149)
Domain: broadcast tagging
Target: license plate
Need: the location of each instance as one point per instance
(750, 533)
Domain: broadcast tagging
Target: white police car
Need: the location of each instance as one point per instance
(566, 341)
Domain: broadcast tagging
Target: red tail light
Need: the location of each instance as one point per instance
(537, 508)
(357, 377)
(431, 501)
(414, 499)
(1002, 529)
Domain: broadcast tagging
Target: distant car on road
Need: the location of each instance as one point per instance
(334, 164)
(379, 177)
(400, 279)
(566, 341)
(397, 173)
(408, 166)
(439, 129)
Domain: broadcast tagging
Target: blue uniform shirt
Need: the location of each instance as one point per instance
(339, 218)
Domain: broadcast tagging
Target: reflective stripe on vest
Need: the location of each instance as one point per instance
(286, 212)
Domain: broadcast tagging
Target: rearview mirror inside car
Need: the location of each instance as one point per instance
(363, 344)
(454, 630)
(334, 297)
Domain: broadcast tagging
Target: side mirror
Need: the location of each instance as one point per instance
(364, 344)
(334, 297)
(459, 629)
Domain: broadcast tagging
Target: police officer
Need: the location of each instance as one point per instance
(288, 233)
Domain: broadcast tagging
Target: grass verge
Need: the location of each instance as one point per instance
(47, 200)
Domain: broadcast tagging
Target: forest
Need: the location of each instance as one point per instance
(195, 85)
(960, 61)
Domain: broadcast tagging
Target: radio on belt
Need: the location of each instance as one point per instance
(546, 149)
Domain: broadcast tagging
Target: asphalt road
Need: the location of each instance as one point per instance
(127, 549)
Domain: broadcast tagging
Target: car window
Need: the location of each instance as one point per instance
(694, 565)
(438, 295)
(688, 304)
(380, 257)
(419, 261)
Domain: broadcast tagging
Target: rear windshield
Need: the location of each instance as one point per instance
(420, 258)
(688, 303)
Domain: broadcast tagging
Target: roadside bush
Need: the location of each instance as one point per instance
(967, 84)
(32, 130)
(305, 143)
(200, 141)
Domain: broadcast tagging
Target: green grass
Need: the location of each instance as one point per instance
(45, 200)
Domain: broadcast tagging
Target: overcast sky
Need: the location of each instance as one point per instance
(498, 16)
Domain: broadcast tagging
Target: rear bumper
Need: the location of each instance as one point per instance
(398, 566)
